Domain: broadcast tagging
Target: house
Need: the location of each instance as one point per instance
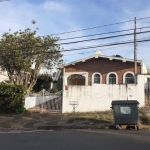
(93, 82)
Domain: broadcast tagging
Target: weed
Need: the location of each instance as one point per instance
(89, 120)
(71, 120)
(5, 125)
(145, 119)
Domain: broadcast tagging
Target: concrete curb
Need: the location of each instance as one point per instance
(75, 127)
(63, 127)
(88, 127)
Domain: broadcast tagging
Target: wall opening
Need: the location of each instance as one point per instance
(76, 79)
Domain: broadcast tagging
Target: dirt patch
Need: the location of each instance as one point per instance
(91, 118)
(34, 120)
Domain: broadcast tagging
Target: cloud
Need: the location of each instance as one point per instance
(54, 6)
(56, 16)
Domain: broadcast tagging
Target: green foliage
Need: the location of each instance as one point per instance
(21, 49)
(12, 98)
(89, 120)
(43, 81)
(145, 119)
(54, 90)
(21, 110)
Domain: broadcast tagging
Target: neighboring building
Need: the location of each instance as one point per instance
(3, 76)
(97, 80)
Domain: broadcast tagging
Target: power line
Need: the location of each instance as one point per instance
(100, 26)
(96, 38)
(103, 38)
(100, 50)
(86, 47)
(102, 33)
(78, 49)
(104, 45)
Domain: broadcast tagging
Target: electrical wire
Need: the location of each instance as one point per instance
(100, 26)
(100, 50)
(102, 33)
(110, 44)
(79, 48)
(86, 47)
(104, 45)
(103, 38)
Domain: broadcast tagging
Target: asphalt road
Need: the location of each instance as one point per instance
(76, 140)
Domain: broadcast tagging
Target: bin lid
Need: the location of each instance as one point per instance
(122, 102)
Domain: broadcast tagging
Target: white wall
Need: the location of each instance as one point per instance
(144, 69)
(3, 77)
(98, 97)
(34, 101)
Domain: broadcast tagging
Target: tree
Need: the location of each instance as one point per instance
(21, 50)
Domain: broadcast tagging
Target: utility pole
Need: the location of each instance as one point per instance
(135, 53)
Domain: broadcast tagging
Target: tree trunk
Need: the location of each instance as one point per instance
(33, 80)
(11, 79)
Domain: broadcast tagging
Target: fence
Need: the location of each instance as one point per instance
(44, 101)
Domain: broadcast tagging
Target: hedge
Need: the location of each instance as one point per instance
(12, 98)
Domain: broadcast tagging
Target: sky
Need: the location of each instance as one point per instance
(58, 16)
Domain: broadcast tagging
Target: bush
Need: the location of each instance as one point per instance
(12, 98)
(54, 90)
(145, 119)
(21, 110)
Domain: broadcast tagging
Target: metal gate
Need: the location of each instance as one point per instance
(47, 102)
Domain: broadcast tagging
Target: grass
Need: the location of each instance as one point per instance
(94, 120)
(5, 125)
(71, 120)
(145, 120)
(82, 118)
(95, 113)
(102, 117)
(91, 117)
(89, 120)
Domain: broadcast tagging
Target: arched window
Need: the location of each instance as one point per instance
(129, 78)
(112, 78)
(76, 79)
(97, 78)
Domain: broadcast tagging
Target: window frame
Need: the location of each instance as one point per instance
(107, 78)
(124, 77)
(93, 78)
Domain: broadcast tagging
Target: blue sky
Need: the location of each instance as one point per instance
(56, 16)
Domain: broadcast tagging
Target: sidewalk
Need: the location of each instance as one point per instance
(50, 121)
(30, 121)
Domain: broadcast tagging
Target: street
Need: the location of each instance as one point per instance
(76, 140)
